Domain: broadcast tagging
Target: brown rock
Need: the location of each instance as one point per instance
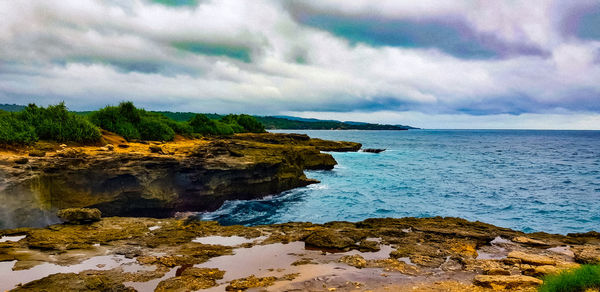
(587, 254)
(533, 259)
(539, 271)
(250, 282)
(192, 279)
(356, 261)
(80, 215)
(529, 241)
(329, 239)
(506, 282)
(393, 265)
(369, 245)
(496, 272)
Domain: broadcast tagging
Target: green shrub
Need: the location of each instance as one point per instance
(156, 130)
(14, 130)
(585, 277)
(243, 123)
(134, 124)
(201, 124)
(56, 123)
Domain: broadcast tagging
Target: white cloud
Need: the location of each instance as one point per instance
(91, 53)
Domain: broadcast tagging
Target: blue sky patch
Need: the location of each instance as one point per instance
(235, 52)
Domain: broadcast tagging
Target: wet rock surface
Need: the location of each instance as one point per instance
(145, 254)
(155, 180)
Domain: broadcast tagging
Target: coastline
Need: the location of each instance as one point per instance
(137, 253)
(406, 254)
(155, 179)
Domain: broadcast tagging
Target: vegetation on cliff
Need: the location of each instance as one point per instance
(137, 124)
(57, 123)
(53, 123)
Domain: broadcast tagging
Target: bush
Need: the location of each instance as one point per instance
(133, 123)
(154, 129)
(53, 123)
(201, 124)
(243, 123)
(15, 131)
(581, 279)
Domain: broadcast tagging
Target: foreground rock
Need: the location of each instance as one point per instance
(407, 254)
(507, 282)
(156, 180)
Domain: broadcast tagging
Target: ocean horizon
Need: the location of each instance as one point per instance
(529, 180)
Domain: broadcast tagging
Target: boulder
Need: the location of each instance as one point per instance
(356, 261)
(250, 282)
(329, 239)
(587, 254)
(369, 245)
(532, 259)
(499, 282)
(79, 215)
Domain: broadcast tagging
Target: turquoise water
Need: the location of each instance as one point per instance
(526, 180)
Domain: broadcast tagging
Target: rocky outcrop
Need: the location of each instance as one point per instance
(282, 257)
(138, 180)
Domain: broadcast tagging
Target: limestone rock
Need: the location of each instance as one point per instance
(587, 254)
(80, 215)
(329, 239)
(393, 265)
(539, 271)
(192, 279)
(532, 259)
(356, 261)
(529, 241)
(250, 282)
(496, 272)
(506, 282)
(369, 245)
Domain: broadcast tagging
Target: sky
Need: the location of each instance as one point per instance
(428, 63)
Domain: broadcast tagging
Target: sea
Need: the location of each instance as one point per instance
(528, 180)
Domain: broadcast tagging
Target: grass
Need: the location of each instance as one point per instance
(585, 277)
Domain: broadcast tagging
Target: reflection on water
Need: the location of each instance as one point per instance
(9, 279)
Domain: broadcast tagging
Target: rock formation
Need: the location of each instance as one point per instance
(159, 179)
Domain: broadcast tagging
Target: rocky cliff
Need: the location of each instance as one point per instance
(156, 179)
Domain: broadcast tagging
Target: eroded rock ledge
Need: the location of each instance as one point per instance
(155, 179)
(408, 254)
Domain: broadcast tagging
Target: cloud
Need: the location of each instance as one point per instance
(466, 59)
